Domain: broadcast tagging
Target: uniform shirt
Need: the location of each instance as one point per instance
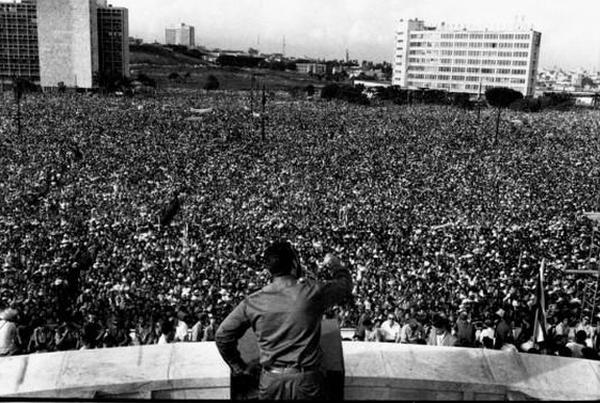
(286, 319)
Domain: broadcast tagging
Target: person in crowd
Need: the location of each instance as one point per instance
(440, 334)
(371, 332)
(210, 329)
(412, 332)
(198, 327)
(8, 332)
(578, 345)
(464, 331)
(503, 331)
(285, 316)
(390, 330)
(167, 332)
(181, 329)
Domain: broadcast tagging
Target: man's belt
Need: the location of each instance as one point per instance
(289, 370)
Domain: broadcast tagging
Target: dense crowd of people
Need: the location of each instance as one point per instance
(124, 222)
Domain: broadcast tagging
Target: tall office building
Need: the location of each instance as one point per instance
(68, 42)
(465, 61)
(18, 40)
(184, 35)
(113, 40)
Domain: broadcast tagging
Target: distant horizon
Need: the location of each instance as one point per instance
(324, 30)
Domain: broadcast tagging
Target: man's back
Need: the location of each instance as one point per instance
(286, 319)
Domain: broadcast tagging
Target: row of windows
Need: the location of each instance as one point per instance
(472, 45)
(470, 79)
(472, 62)
(472, 35)
(476, 53)
(472, 70)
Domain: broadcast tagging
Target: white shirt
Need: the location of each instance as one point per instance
(8, 334)
(390, 331)
(181, 331)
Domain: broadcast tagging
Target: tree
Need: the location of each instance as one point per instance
(330, 91)
(212, 83)
(310, 90)
(501, 97)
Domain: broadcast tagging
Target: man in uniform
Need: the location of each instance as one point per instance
(286, 319)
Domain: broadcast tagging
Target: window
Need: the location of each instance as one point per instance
(490, 36)
(446, 61)
(487, 71)
(488, 61)
(505, 54)
(446, 53)
(472, 78)
(520, 63)
(472, 69)
(461, 44)
(507, 45)
(475, 44)
(458, 69)
(519, 72)
(461, 36)
(476, 36)
(507, 36)
(473, 61)
(445, 69)
(458, 78)
(447, 36)
(460, 53)
(475, 53)
(460, 61)
(504, 62)
(446, 44)
(443, 78)
(503, 71)
(492, 45)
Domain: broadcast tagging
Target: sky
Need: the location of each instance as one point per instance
(326, 28)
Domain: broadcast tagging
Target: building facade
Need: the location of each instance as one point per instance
(19, 41)
(68, 42)
(465, 61)
(185, 35)
(311, 68)
(113, 41)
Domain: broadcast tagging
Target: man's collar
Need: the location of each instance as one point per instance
(286, 280)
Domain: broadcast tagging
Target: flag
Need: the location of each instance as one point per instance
(539, 326)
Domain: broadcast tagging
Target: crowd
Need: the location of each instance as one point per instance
(443, 229)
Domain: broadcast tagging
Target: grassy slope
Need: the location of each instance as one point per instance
(158, 63)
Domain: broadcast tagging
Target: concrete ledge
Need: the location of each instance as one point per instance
(374, 371)
(183, 370)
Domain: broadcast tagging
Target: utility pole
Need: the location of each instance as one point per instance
(283, 50)
(18, 91)
(262, 115)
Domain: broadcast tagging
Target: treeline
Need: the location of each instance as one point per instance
(344, 92)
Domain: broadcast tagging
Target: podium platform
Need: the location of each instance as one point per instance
(372, 371)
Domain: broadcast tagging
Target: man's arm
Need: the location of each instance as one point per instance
(340, 288)
(230, 331)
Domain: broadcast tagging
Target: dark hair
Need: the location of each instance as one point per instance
(580, 336)
(565, 351)
(488, 343)
(279, 258)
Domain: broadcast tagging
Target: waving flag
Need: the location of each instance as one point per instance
(539, 327)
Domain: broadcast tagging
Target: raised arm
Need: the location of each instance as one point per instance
(335, 291)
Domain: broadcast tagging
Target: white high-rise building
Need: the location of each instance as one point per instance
(460, 60)
(68, 42)
(185, 35)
